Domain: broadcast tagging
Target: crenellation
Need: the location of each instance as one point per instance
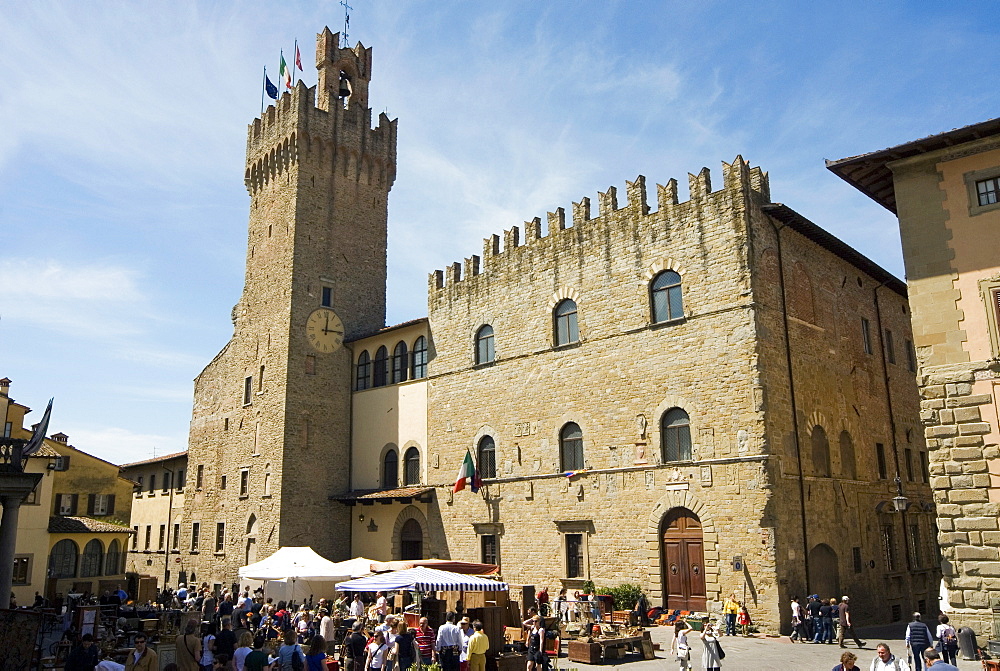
(557, 220)
(700, 185)
(532, 230)
(435, 280)
(760, 183)
(607, 201)
(666, 195)
(581, 212)
(511, 239)
(736, 175)
(491, 246)
(637, 195)
(454, 273)
(472, 266)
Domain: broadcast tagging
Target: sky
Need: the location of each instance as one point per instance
(123, 212)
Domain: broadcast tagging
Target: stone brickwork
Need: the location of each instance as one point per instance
(724, 363)
(318, 177)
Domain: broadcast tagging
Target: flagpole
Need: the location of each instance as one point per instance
(295, 57)
(263, 86)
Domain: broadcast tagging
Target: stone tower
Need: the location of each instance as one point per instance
(270, 431)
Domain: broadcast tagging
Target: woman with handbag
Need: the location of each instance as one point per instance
(711, 658)
(377, 650)
(680, 646)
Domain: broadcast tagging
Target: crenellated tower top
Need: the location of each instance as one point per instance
(337, 65)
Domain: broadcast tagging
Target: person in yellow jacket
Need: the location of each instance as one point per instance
(730, 608)
(142, 658)
(479, 643)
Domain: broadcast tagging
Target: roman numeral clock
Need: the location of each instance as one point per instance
(325, 330)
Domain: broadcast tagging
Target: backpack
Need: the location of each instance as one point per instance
(296, 659)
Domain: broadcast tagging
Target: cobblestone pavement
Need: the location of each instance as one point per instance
(762, 654)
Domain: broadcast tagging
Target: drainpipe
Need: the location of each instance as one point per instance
(791, 393)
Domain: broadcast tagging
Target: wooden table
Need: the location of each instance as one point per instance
(593, 653)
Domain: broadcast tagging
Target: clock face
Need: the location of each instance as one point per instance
(325, 331)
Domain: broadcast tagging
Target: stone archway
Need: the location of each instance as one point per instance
(671, 500)
(409, 534)
(824, 571)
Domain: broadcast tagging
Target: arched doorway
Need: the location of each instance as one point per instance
(411, 540)
(824, 572)
(250, 555)
(683, 560)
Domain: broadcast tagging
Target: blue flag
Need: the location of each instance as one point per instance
(272, 90)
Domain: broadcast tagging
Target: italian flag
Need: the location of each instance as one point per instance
(285, 73)
(468, 472)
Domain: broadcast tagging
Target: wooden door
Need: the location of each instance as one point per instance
(683, 561)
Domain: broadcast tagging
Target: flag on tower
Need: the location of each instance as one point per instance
(468, 473)
(298, 57)
(272, 90)
(285, 73)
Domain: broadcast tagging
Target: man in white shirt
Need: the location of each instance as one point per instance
(357, 609)
(449, 643)
(328, 630)
(886, 661)
(381, 606)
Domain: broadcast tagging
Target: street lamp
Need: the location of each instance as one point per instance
(899, 502)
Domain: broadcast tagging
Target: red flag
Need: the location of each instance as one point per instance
(298, 58)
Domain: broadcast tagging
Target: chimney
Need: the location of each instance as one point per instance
(60, 438)
(5, 387)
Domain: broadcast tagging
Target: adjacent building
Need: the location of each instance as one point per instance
(71, 532)
(945, 189)
(157, 517)
(703, 396)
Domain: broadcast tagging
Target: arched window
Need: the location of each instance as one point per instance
(487, 457)
(400, 363)
(62, 560)
(484, 344)
(419, 365)
(113, 560)
(675, 436)
(363, 371)
(571, 447)
(848, 462)
(92, 559)
(252, 525)
(411, 540)
(665, 296)
(390, 470)
(381, 373)
(411, 467)
(820, 452)
(566, 330)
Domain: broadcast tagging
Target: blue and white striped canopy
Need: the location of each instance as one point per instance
(422, 579)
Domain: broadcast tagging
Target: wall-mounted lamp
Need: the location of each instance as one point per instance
(361, 517)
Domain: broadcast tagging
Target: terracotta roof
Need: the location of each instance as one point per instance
(82, 525)
(165, 457)
(383, 494)
(386, 329)
(824, 238)
(870, 173)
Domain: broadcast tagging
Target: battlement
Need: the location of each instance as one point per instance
(314, 121)
(740, 180)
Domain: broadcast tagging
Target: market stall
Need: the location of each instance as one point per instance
(296, 573)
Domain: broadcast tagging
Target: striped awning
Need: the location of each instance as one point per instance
(422, 579)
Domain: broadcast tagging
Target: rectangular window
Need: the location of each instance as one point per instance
(489, 545)
(138, 490)
(988, 191)
(7, 428)
(199, 478)
(925, 469)
(222, 482)
(310, 364)
(135, 538)
(62, 463)
(22, 571)
(915, 555)
(195, 532)
(174, 542)
(162, 545)
(327, 299)
(866, 335)
(166, 481)
(911, 357)
(889, 547)
(856, 556)
(880, 459)
(890, 347)
(574, 555)
(908, 455)
(102, 504)
(225, 424)
(260, 380)
(152, 483)
(220, 536)
(180, 480)
(244, 482)
(149, 534)
(247, 389)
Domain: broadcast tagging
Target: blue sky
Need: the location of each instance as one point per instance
(122, 206)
